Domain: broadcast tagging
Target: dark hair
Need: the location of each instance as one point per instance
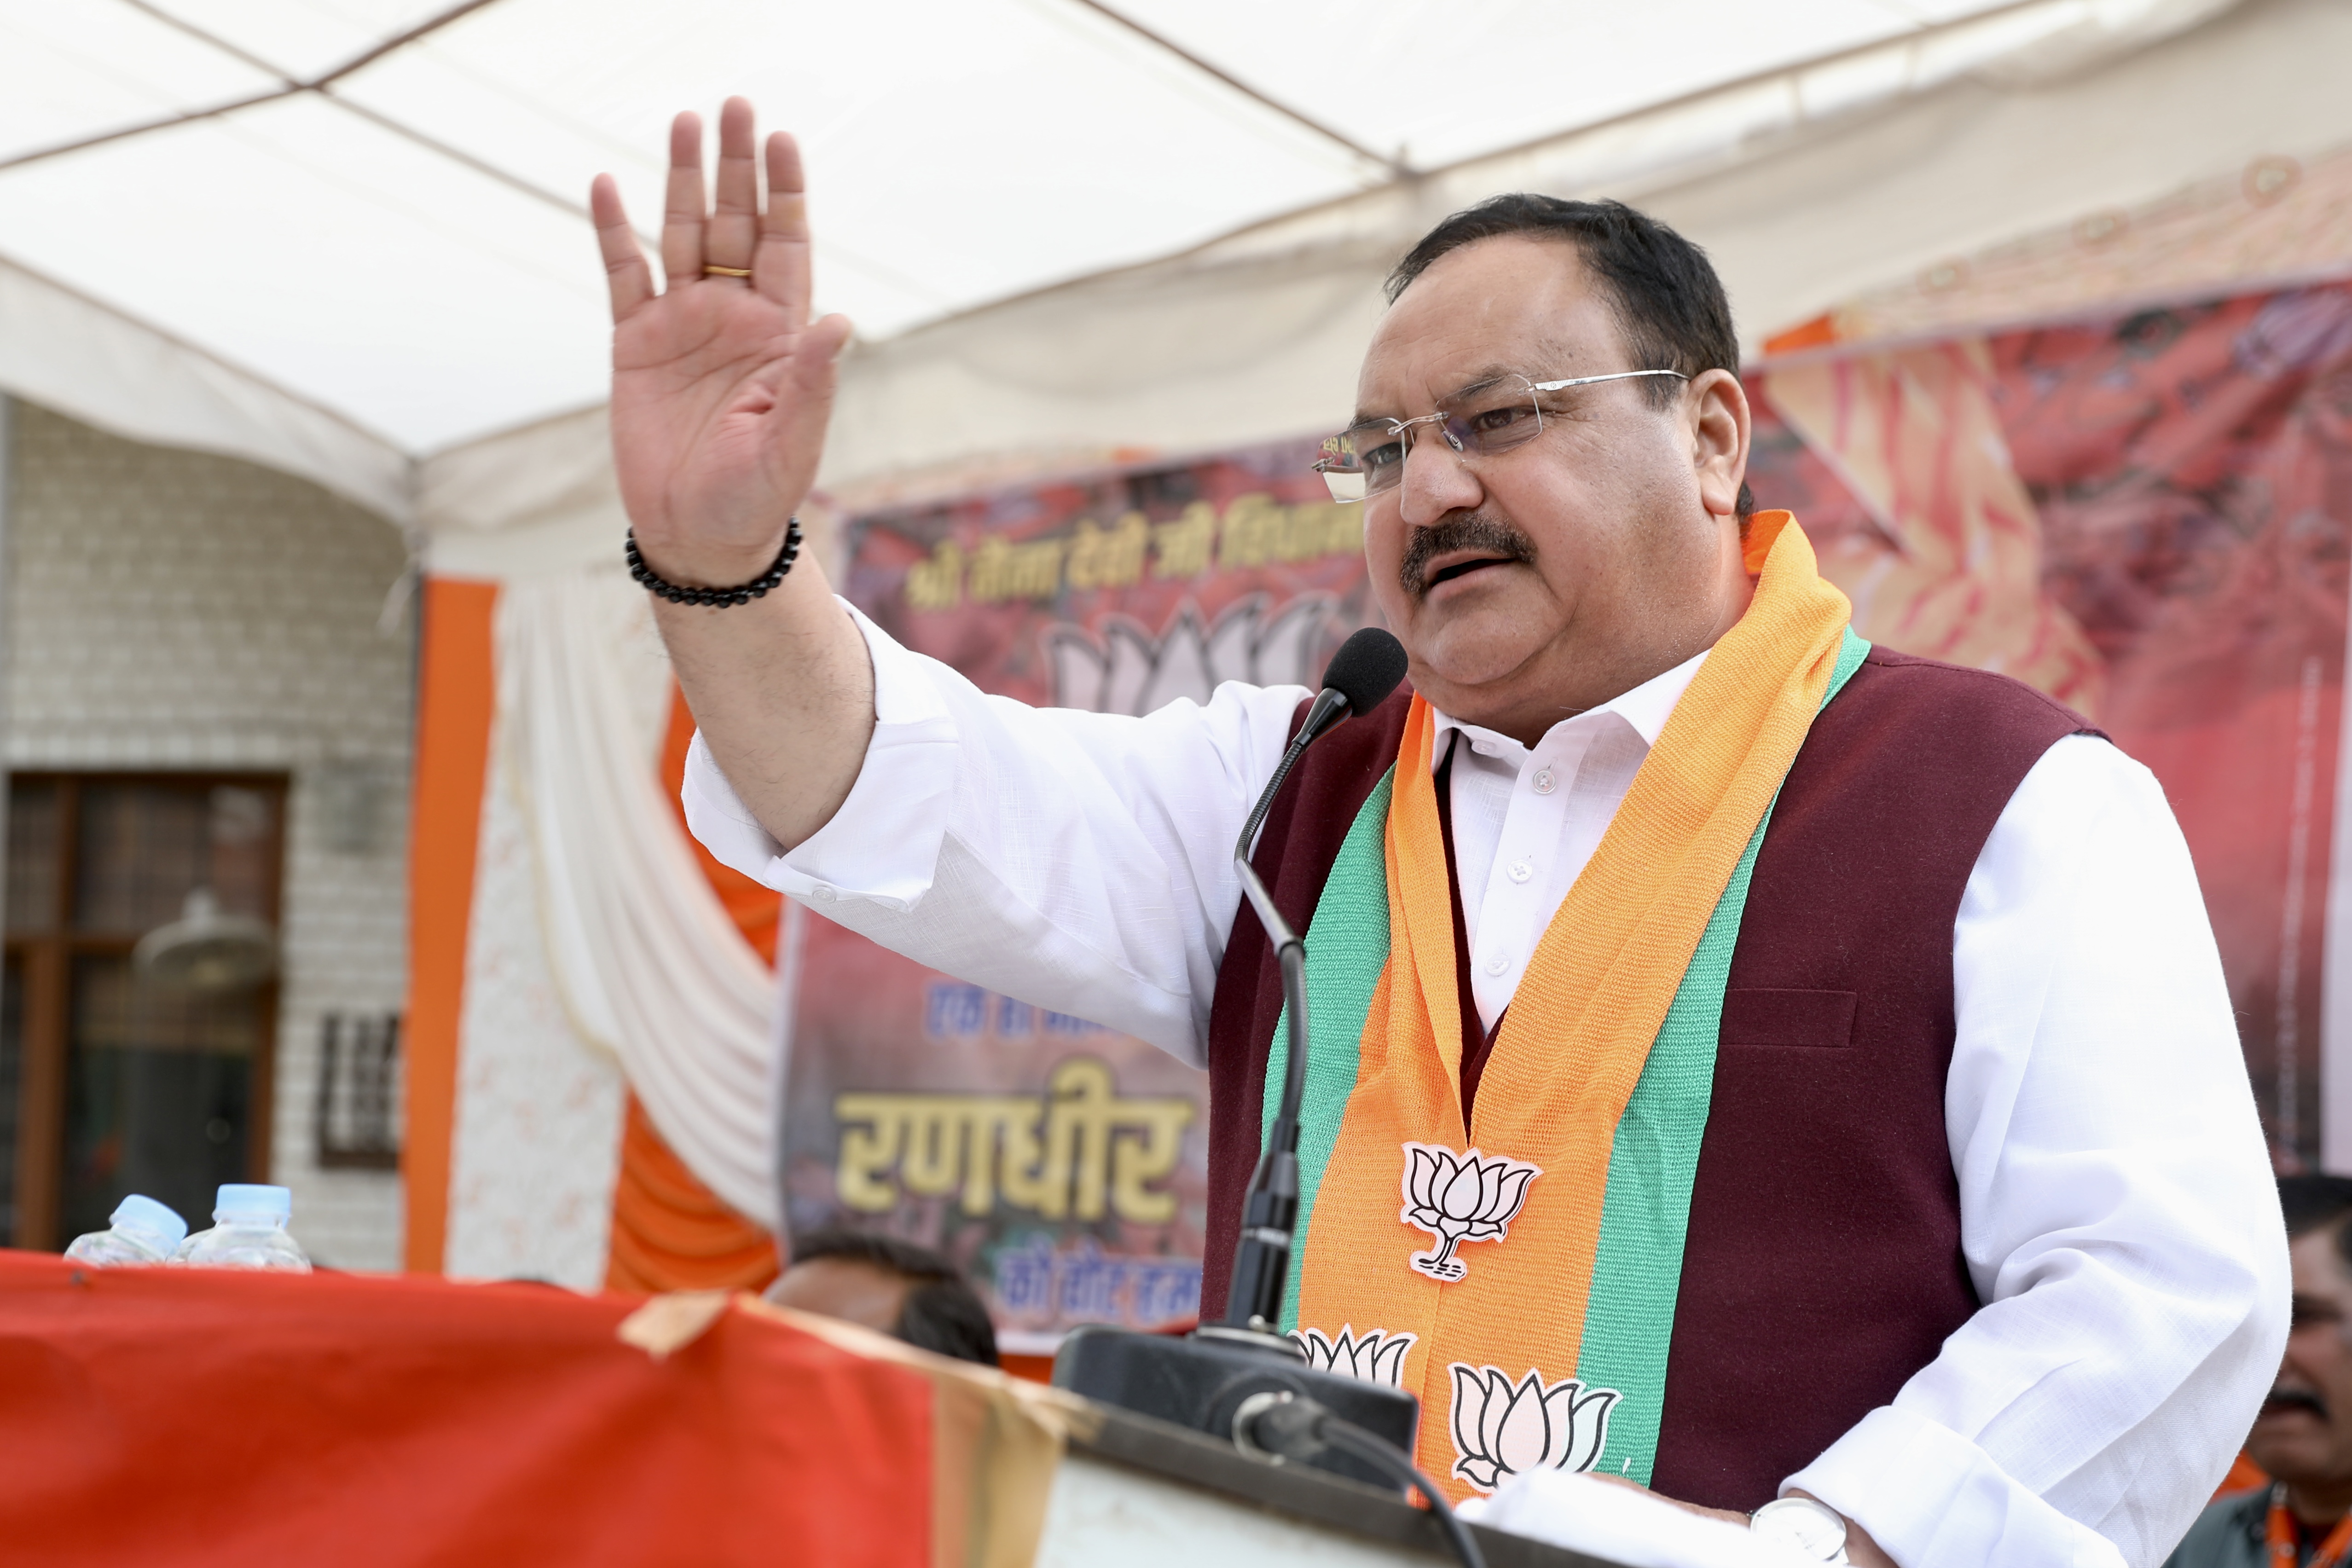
(941, 1311)
(2311, 1201)
(1668, 302)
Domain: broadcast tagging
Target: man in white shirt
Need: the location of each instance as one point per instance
(1979, 1249)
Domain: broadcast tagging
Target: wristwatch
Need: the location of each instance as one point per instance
(1816, 1530)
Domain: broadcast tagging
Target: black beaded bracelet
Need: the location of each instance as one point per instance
(742, 593)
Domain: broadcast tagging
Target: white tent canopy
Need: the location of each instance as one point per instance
(343, 238)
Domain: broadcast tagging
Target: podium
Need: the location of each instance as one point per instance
(1143, 1494)
(177, 1416)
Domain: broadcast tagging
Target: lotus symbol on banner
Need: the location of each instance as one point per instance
(1502, 1430)
(1457, 1198)
(1377, 1356)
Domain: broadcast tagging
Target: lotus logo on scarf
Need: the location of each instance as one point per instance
(1503, 1430)
(1457, 1198)
(1377, 1356)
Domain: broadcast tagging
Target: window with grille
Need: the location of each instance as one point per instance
(352, 1119)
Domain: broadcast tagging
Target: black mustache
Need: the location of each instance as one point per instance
(2295, 1399)
(1473, 530)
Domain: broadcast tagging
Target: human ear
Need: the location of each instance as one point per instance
(1717, 406)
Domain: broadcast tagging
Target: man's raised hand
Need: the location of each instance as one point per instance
(721, 385)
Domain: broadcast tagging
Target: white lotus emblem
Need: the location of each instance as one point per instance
(1501, 1429)
(1457, 1198)
(1376, 1356)
(1123, 668)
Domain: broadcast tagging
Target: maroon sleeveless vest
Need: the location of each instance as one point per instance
(1822, 1265)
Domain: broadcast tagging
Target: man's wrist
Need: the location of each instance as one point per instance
(1806, 1525)
(699, 565)
(726, 594)
(1860, 1549)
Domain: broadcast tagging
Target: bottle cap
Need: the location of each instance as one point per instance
(157, 1223)
(250, 1202)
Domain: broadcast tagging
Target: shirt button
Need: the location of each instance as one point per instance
(822, 893)
(1498, 963)
(1543, 782)
(1521, 872)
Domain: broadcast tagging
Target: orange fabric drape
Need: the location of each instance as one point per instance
(669, 1231)
(456, 682)
(758, 912)
(672, 1233)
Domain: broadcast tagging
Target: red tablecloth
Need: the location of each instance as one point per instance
(187, 1417)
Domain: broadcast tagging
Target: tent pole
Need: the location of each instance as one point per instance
(1394, 165)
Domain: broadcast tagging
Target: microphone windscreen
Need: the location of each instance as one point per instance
(1366, 669)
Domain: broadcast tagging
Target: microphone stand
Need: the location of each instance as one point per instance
(1270, 1211)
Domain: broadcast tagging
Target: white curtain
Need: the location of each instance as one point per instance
(648, 961)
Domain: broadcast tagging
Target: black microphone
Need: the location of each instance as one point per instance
(1225, 1375)
(1359, 678)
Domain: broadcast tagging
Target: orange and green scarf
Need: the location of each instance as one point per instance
(1519, 1274)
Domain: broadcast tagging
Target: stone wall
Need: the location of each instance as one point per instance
(172, 610)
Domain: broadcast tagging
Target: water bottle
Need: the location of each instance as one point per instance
(248, 1232)
(145, 1231)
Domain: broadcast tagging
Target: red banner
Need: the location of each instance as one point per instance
(2178, 571)
(1063, 1165)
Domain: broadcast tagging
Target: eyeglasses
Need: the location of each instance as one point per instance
(1367, 459)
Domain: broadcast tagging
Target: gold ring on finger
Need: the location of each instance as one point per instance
(712, 270)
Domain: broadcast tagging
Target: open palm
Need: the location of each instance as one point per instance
(721, 385)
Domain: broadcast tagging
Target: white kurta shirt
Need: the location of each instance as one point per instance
(2117, 1212)
(1527, 820)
